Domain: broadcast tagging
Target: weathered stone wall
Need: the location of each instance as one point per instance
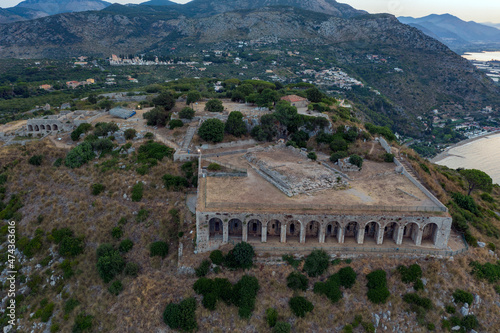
(316, 228)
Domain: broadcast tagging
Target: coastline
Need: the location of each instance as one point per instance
(444, 154)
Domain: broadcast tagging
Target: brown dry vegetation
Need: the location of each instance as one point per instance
(63, 197)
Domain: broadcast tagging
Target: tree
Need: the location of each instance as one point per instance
(79, 155)
(300, 306)
(297, 281)
(130, 133)
(212, 130)
(214, 105)
(477, 179)
(314, 95)
(241, 256)
(165, 100)
(192, 96)
(186, 113)
(267, 98)
(157, 116)
(109, 265)
(287, 115)
(316, 263)
(356, 160)
(92, 99)
(235, 124)
(106, 104)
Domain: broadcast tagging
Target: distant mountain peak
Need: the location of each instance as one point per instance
(52, 7)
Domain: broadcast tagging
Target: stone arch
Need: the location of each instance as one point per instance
(391, 231)
(254, 228)
(37, 129)
(55, 127)
(371, 231)
(410, 232)
(42, 127)
(430, 233)
(30, 128)
(333, 231)
(274, 228)
(235, 228)
(293, 229)
(49, 128)
(313, 231)
(216, 228)
(351, 230)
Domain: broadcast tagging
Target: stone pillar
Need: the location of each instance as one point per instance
(340, 235)
(418, 239)
(244, 235)
(379, 235)
(302, 232)
(283, 233)
(264, 233)
(322, 232)
(360, 237)
(398, 234)
(225, 232)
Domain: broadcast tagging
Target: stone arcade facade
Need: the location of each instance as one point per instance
(43, 126)
(215, 229)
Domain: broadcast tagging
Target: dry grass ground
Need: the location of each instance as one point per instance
(62, 196)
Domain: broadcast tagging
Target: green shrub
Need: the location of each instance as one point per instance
(369, 327)
(347, 328)
(83, 322)
(465, 201)
(241, 256)
(102, 129)
(411, 273)
(186, 113)
(79, 155)
(330, 288)
(297, 281)
(300, 306)
(486, 197)
(418, 285)
(316, 263)
(203, 269)
(97, 189)
(214, 105)
(132, 269)
(337, 156)
(175, 183)
(117, 232)
(425, 168)
(243, 295)
(209, 301)
(174, 123)
(109, 263)
(282, 327)
(142, 215)
(158, 248)
(217, 257)
(470, 322)
(431, 326)
(450, 309)
(291, 260)
(377, 287)
(488, 271)
(312, 155)
(58, 162)
(130, 133)
(462, 296)
(116, 287)
(214, 167)
(347, 277)
(137, 191)
(181, 316)
(389, 158)
(154, 150)
(36, 160)
(356, 160)
(491, 246)
(271, 316)
(413, 298)
(71, 246)
(125, 245)
(70, 305)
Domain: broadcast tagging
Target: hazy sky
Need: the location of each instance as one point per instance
(477, 10)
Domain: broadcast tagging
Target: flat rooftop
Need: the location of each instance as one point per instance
(377, 187)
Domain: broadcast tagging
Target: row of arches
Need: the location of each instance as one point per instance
(36, 128)
(314, 231)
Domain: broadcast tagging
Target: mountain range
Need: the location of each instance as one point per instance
(429, 74)
(457, 34)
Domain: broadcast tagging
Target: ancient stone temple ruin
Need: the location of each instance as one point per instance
(284, 197)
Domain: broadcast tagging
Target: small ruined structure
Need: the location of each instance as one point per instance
(297, 101)
(284, 197)
(65, 121)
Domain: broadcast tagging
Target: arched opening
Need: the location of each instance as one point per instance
(391, 232)
(36, 128)
(254, 230)
(351, 232)
(332, 232)
(56, 128)
(235, 229)
(312, 231)
(410, 233)
(216, 228)
(42, 127)
(429, 234)
(30, 128)
(49, 128)
(371, 231)
(293, 232)
(274, 230)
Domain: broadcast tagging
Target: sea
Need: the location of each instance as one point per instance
(481, 153)
(482, 56)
